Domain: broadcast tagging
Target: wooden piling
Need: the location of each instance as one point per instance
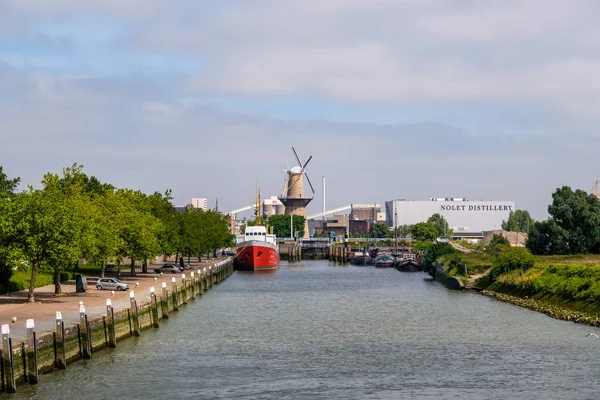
(8, 361)
(154, 308)
(61, 352)
(110, 324)
(164, 301)
(193, 285)
(135, 314)
(175, 295)
(183, 290)
(31, 373)
(84, 333)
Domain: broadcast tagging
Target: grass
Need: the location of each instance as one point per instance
(22, 279)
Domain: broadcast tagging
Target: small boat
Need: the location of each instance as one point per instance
(384, 261)
(407, 263)
(360, 258)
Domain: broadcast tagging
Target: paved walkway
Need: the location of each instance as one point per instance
(43, 311)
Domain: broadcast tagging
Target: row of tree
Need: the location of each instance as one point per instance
(74, 217)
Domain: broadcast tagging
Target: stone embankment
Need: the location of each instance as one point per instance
(43, 351)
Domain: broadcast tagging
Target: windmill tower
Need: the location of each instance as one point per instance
(292, 195)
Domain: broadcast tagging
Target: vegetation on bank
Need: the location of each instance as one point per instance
(74, 217)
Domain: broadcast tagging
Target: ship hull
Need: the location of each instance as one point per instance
(255, 255)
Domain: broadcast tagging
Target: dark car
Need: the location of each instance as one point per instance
(167, 269)
(228, 253)
(110, 268)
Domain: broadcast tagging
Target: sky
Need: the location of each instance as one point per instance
(393, 98)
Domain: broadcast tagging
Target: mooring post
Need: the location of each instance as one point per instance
(84, 331)
(110, 317)
(210, 276)
(61, 360)
(154, 308)
(31, 373)
(183, 290)
(7, 360)
(133, 307)
(203, 282)
(175, 294)
(193, 284)
(164, 301)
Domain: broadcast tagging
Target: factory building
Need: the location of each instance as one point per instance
(463, 215)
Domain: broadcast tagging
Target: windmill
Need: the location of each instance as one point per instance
(292, 195)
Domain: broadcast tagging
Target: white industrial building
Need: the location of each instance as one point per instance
(463, 215)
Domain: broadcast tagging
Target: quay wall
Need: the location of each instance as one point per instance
(98, 327)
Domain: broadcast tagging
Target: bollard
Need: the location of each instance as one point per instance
(154, 308)
(175, 295)
(84, 331)
(110, 316)
(193, 284)
(7, 360)
(31, 373)
(164, 301)
(183, 290)
(134, 313)
(210, 276)
(59, 339)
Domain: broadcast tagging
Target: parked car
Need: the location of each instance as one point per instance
(110, 268)
(111, 284)
(168, 269)
(228, 253)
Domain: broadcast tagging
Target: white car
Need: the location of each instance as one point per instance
(111, 284)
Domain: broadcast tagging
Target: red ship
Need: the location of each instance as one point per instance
(256, 250)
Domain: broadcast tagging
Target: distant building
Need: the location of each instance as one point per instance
(365, 212)
(359, 226)
(201, 203)
(463, 215)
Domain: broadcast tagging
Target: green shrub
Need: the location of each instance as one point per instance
(512, 259)
(435, 251)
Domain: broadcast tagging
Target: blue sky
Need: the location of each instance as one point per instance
(393, 98)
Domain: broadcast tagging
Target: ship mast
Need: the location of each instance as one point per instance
(258, 219)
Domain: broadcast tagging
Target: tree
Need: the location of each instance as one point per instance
(281, 225)
(423, 231)
(402, 231)
(7, 186)
(434, 251)
(441, 225)
(42, 226)
(380, 230)
(518, 221)
(547, 238)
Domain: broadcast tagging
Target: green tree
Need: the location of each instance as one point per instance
(137, 228)
(518, 221)
(281, 225)
(547, 238)
(42, 229)
(435, 251)
(7, 186)
(423, 231)
(441, 225)
(380, 230)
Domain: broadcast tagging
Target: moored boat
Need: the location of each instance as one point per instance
(384, 261)
(256, 250)
(407, 263)
(360, 258)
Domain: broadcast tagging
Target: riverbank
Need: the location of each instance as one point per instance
(55, 347)
(563, 287)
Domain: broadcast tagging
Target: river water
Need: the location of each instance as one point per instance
(314, 330)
